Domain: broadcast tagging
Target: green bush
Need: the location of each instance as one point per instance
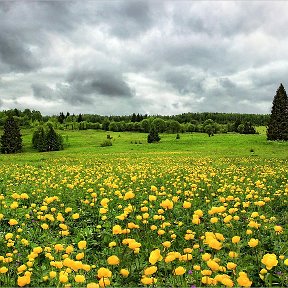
(106, 143)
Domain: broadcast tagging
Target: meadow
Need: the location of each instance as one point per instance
(197, 211)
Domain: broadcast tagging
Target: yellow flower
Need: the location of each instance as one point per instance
(112, 244)
(45, 226)
(213, 265)
(103, 282)
(82, 244)
(206, 256)
(235, 239)
(167, 204)
(13, 222)
(52, 274)
(155, 256)
(104, 272)
(92, 285)
(150, 270)
(278, 229)
(243, 280)
(75, 216)
(63, 278)
(113, 260)
(179, 270)
(148, 280)
(80, 256)
(3, 270)
(116, 229)
(231, 265)
(253, 242)
(23, 280)
(167, 244)
(58, 247)
(124, 272)
(269, 260)
(79, 278)
(186, 205)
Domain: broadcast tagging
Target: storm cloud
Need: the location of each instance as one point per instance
(155, 57)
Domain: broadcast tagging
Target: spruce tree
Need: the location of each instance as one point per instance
(278, 123)
(153, 136)
(11, 141)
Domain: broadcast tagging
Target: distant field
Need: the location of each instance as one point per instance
(87, 143)
(190, 212)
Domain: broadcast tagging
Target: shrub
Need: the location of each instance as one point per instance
(106, 143)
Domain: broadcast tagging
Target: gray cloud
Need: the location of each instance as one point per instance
(139, 56)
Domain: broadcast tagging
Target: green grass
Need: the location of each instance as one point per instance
(87, 144)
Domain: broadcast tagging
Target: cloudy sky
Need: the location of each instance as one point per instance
(157, 57)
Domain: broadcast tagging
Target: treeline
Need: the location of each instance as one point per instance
(186, 122)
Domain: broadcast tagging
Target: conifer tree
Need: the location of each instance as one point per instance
(278, 123)
(11, 141)
(153, 136)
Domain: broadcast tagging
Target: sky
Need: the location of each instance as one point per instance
(156, 57)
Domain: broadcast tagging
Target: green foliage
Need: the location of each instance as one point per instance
(11, 141)
(153, 136)
(46, 139)
(278, 124)
(106, 143)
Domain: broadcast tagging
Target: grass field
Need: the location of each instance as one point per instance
(198, 211)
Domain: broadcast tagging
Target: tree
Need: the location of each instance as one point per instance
(11, 140)
(153, 136)
(278, 123)
(47, 139)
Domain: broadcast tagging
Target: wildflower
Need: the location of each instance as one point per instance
(103, 282)
(269, 260)
(116, 229)
(82, 245)
(253, 242)
(155, 256)
(113, 260)
(167, 244)
(13, 222)
(63, 278)
(3, 270)
(23, 280)
(150, 270)
(243, 280)
(179, 270)
(186, 205)
(235, 239)
(79, 278)
(92, 285)
(104, 273)
(124, 272)
(148, 280)
(278, 229)
(231, 265)
(75, 216)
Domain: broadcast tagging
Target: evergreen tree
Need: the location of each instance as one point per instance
(47, 139)
(278, 123)
(11, 141)
(153, 136)
(80, 118)
(54, 141)
(39, 140)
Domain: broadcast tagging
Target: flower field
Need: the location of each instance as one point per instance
(162, 220)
